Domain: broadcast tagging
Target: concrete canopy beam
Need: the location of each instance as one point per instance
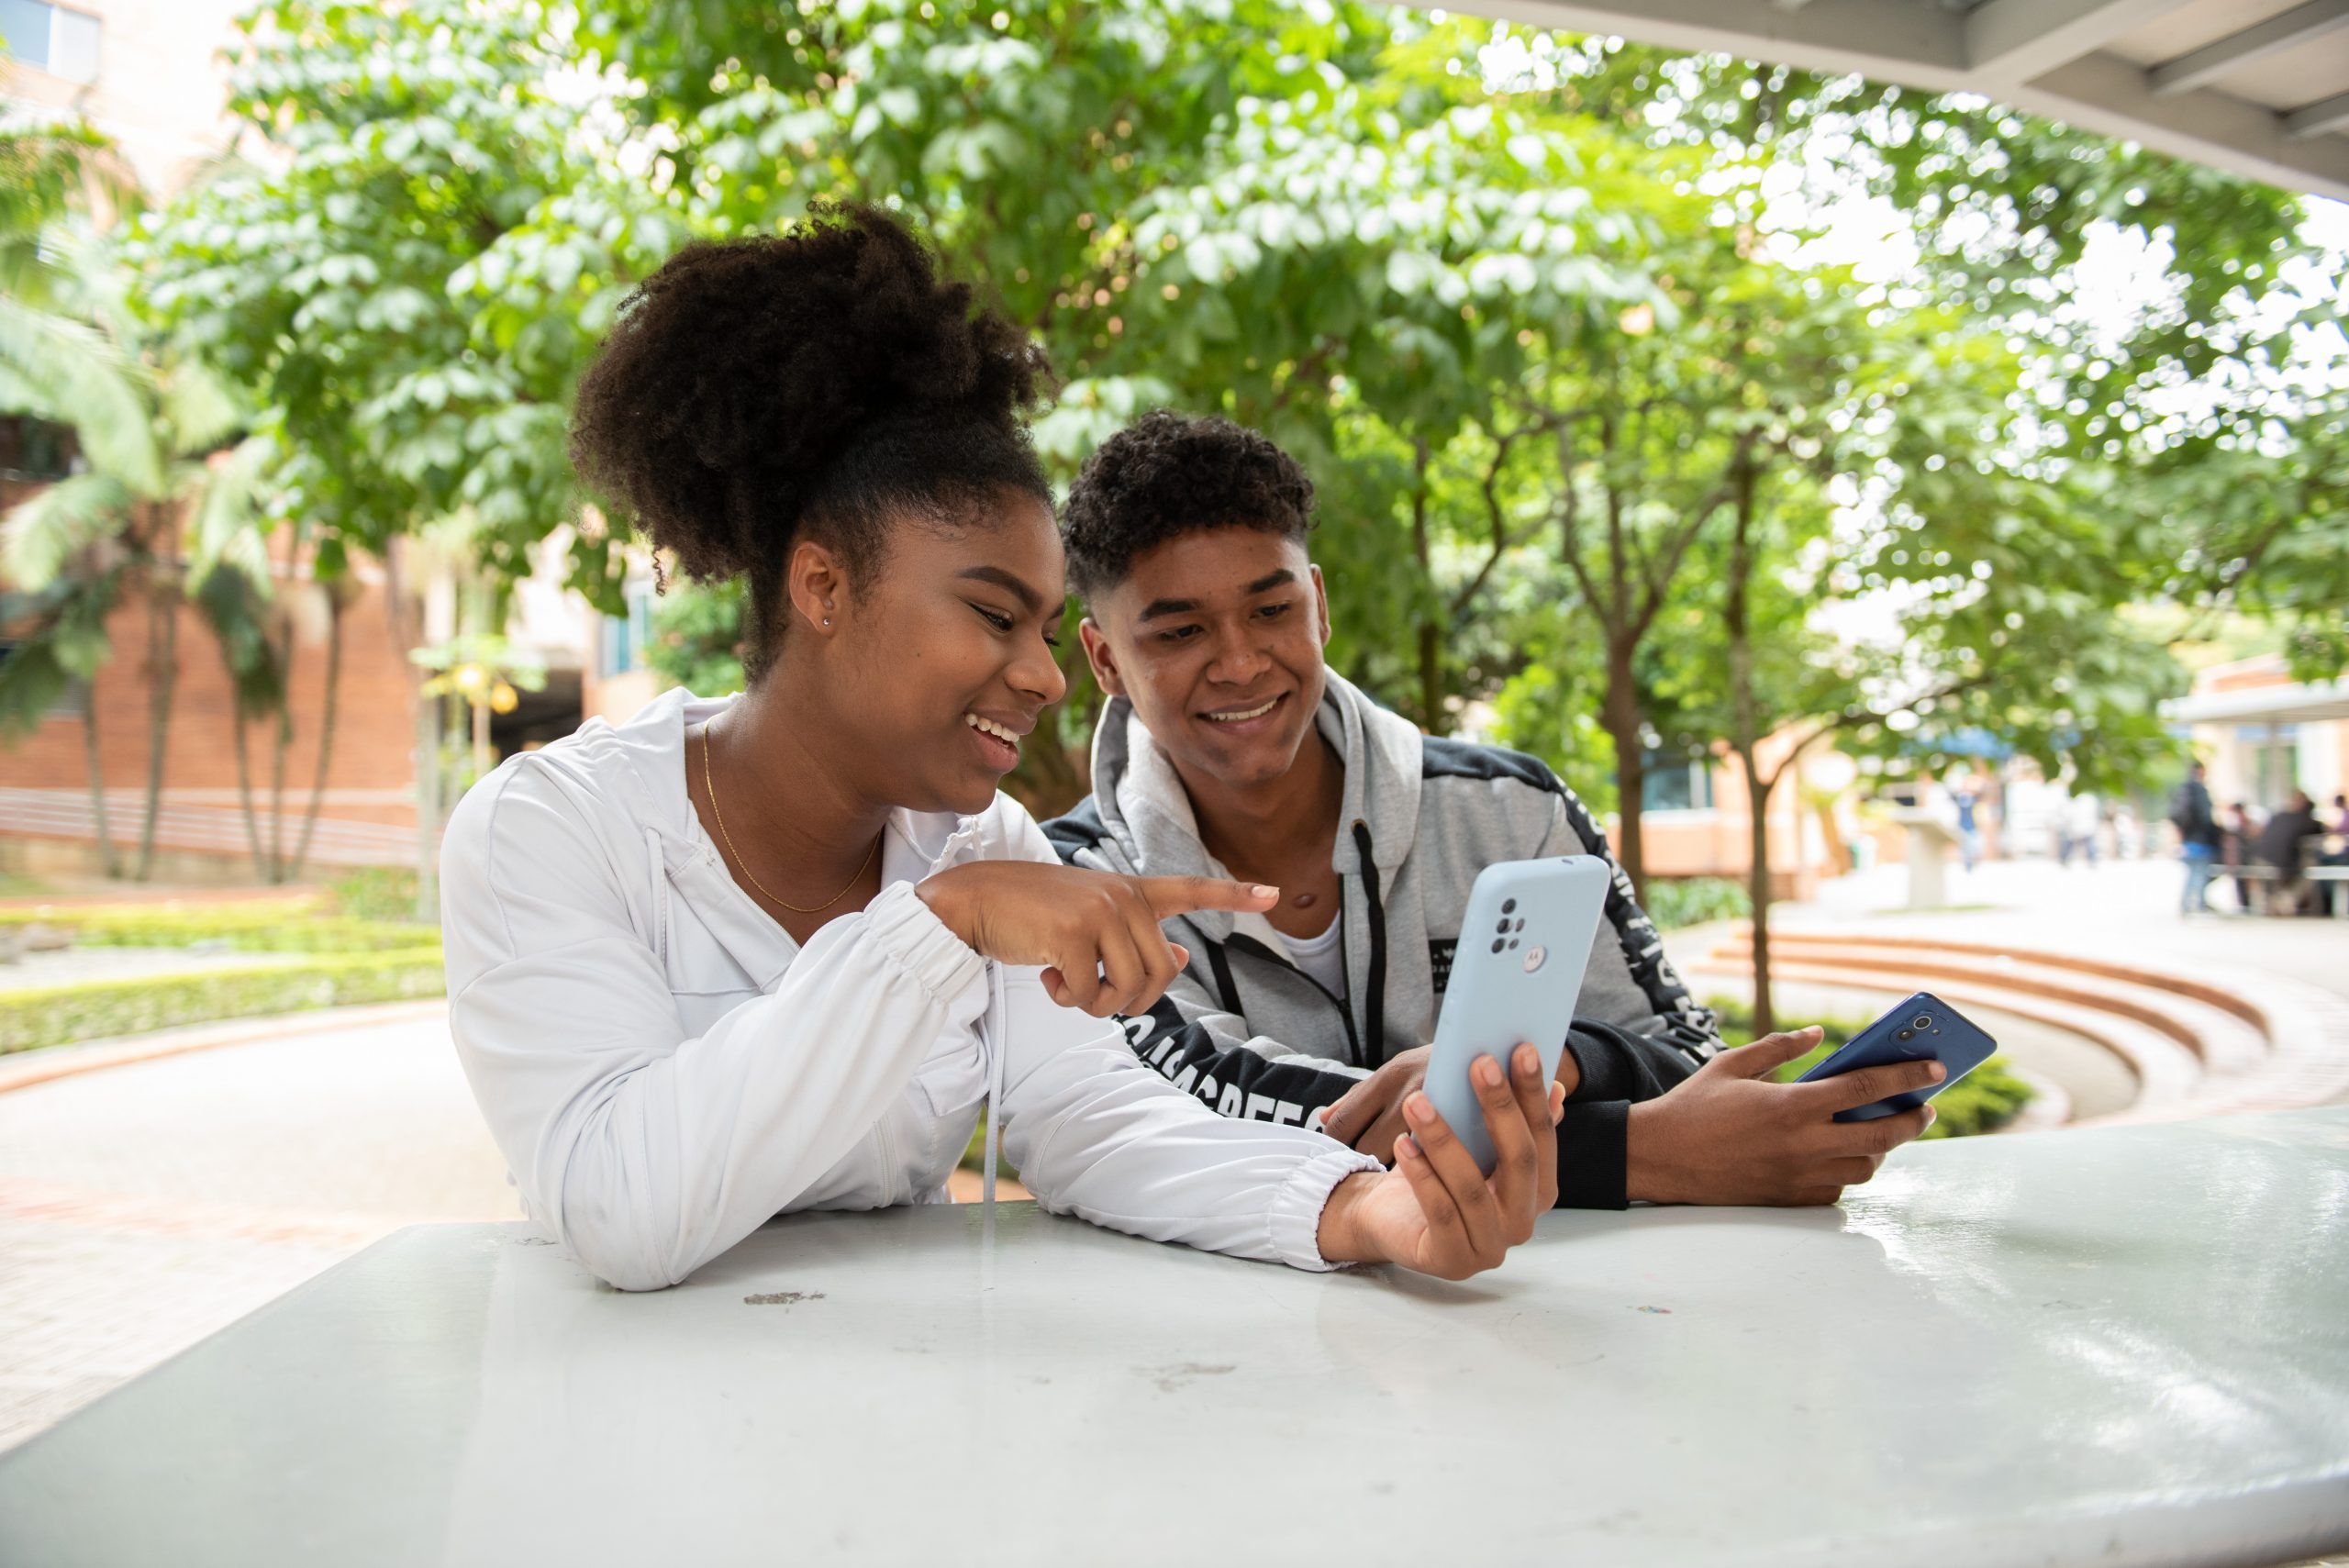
(2014, 41)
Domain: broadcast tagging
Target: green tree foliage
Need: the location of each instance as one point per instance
(166, 496)
(1533, 311)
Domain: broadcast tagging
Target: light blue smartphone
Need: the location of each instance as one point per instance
(1922, 1029)
(1524, 944)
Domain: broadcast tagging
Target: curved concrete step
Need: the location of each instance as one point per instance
(2219, 1037)
(2217, 1042)
(2226, 998)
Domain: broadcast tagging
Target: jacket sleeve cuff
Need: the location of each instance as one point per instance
(909, 931)
(1592, 1150)
(1296, 1218)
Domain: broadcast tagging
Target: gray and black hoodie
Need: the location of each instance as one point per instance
(1247, 1032)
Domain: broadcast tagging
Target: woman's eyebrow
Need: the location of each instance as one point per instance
(1009, 583)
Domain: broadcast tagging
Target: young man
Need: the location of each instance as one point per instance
(1227, 747)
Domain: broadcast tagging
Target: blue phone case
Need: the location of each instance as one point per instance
(1922, 1029)
(1524, 944)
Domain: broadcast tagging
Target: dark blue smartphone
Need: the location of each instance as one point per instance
(1922, 1029)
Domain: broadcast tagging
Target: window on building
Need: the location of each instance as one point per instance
(1677, 781)
(625, 635)
(50, 38)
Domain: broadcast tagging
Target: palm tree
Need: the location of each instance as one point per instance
(149, 425)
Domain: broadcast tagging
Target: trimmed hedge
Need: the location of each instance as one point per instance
(264, 928)
(58, 1015)
(1674, 902)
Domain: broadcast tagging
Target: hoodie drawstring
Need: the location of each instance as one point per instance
(1377, 999)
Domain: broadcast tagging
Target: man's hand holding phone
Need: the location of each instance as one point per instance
(1370, 1116)
(1731, 1135)
(1435, 1212)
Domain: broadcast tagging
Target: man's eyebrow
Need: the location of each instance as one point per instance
(1184, 606)
(1029, 600)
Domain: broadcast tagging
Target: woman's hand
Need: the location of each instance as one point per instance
(1370, 1116)
(1435, 1212)
(1097, 933)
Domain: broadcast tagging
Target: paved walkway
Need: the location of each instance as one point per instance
(2121, 909)
(144, 1206)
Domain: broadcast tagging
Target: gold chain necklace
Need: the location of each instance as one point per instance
(709, 787)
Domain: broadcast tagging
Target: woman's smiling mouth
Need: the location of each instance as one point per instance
(998, 742)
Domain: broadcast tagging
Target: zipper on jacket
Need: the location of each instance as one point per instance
(1377, 999)
(1256, 949)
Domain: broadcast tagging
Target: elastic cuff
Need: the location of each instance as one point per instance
(1592, 1152)
(1295, 1217)
(911, 932)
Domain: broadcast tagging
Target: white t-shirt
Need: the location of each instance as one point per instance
(1322, 957)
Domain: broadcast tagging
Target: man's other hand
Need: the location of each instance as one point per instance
(1730, 1135)
(1371, 1117)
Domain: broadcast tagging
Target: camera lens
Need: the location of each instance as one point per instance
(1496, 944)
(1921, 1022)
(1904, 1034)
(1509, 905)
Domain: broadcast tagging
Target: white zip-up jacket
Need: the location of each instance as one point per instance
(665, 1070)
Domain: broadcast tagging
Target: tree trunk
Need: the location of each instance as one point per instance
(427, 806)
(239, 719)
(281, 743)
(1429, 641)
(1757, 887)
(1430, 679)
(162, 675)
(326, 730)
(1745, 738)
(108, 860)
(403, 624)
(1620, 714)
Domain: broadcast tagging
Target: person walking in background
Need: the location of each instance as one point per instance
(2199, 840)
(2282, 847)
(2083, 816)
(2336, 853)
(1968, 801)
(2235, 838)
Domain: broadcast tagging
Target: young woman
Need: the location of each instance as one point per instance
(737, 958)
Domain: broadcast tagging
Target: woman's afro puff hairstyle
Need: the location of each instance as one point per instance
(823, 381)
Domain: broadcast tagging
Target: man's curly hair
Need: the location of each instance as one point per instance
(1169, 474)
(824, 381)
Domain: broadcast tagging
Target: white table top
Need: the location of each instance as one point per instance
(2130, 1346)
